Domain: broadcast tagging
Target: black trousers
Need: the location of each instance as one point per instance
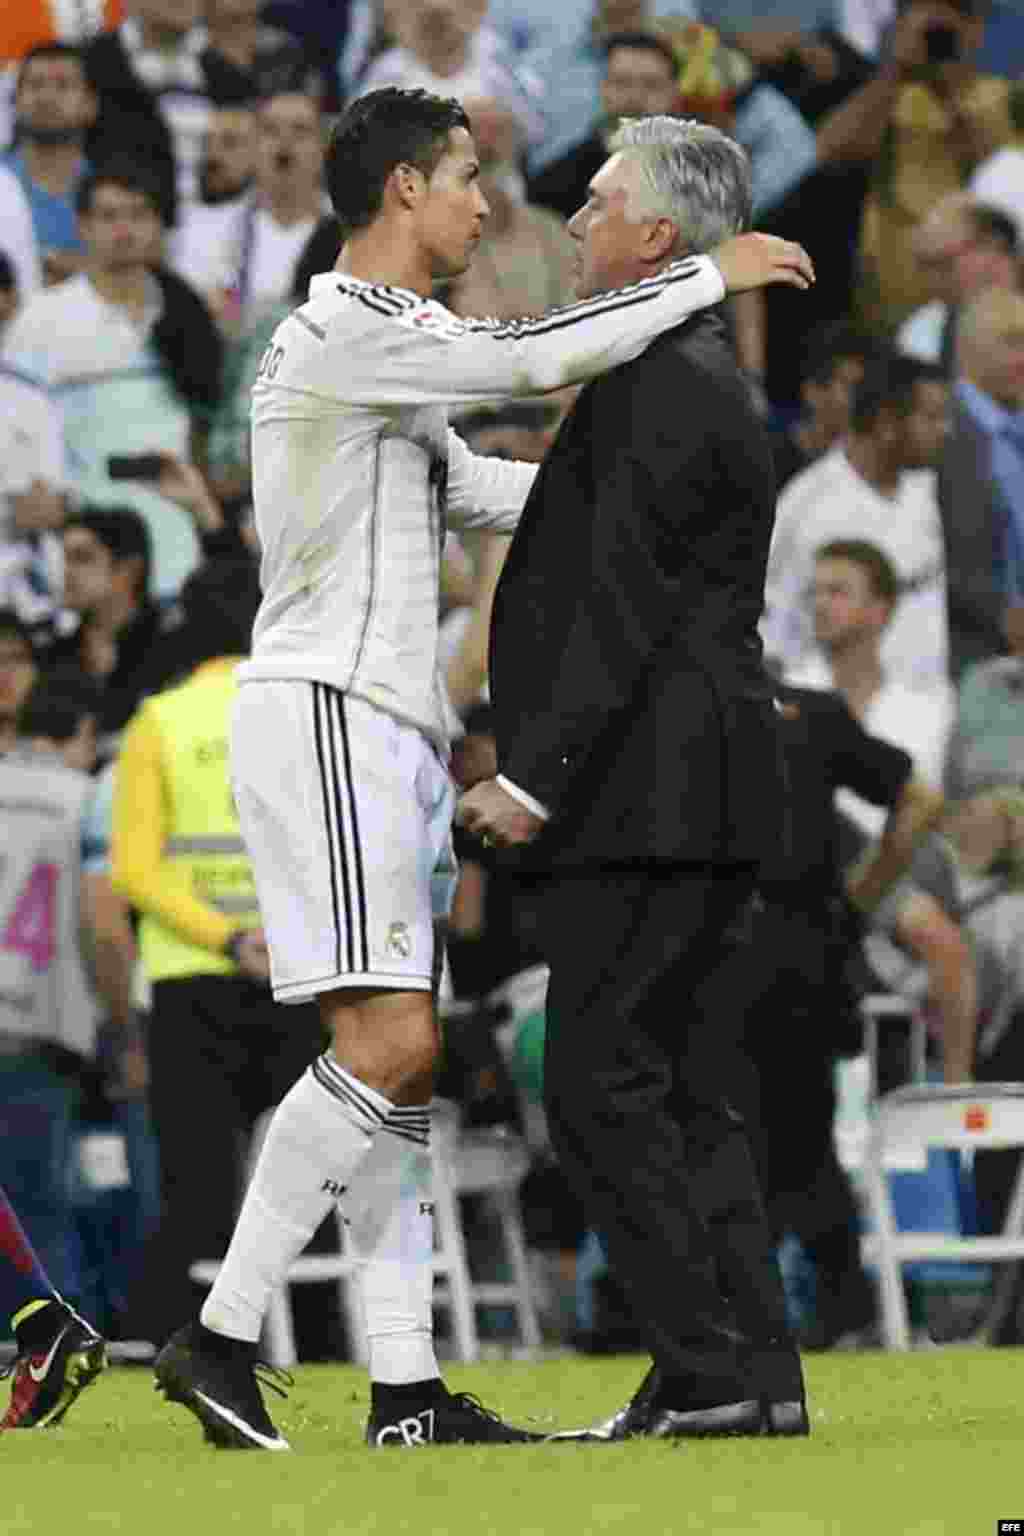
(221, 1052)
(637, 1088)
(791, 993)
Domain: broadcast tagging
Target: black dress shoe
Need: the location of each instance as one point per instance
(724, 1419)
(784, 1418)
(631, 1419)
(643, 1415)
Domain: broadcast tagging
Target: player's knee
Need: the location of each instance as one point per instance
(389, 1044)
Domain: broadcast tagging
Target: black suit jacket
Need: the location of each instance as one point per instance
(972, 527)
(628, 691)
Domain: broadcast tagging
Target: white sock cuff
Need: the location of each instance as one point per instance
(365, 1105)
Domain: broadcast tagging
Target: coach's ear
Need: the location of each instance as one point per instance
(661, 240)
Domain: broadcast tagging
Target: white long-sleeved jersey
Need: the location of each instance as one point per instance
(357, 474)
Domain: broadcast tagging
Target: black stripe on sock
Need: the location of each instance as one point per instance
(338, 1088)
(418, 1138)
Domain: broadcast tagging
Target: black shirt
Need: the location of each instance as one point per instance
(789, 457)
(825, 748)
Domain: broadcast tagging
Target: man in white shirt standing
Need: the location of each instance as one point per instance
(91, 342)
(339, 745)
(856, 594)
(877, 485)
(242, 254)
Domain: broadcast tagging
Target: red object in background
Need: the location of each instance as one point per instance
(975, 1118)
(24, 24)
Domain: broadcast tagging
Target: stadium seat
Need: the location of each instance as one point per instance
(904, 1126)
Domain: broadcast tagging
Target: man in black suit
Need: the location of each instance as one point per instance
(640, 768)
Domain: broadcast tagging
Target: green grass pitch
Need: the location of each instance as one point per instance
(928, 1444)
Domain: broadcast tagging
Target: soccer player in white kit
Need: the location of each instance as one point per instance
(339, 746)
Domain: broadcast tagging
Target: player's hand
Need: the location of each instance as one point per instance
(754, 260)
(496, 817)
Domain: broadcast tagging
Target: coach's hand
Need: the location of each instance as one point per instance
(752, 261)
(495, 817)
(248, 949)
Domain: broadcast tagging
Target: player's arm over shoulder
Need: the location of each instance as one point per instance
(372, 346)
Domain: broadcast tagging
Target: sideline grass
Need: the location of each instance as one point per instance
(927, 1444)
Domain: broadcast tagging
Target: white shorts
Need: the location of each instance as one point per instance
(347, 816)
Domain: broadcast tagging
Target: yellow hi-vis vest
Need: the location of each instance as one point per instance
(203, 848)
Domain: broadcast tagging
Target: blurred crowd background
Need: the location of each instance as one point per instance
(161, 207)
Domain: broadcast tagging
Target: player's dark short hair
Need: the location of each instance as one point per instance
(119, 171)
(57, 703)
(373, 135)
(650, 42)
(14, 627)
(882, 575)
(123, 531)
(889, 383)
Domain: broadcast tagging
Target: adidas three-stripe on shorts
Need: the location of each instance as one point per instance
(347, 815)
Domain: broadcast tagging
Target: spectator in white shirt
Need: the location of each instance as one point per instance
(856, 594)
(444, 47)
(242, 254)
(119, 346)
(17, 234)
(32, 505)
(877, 485)
(965, 247)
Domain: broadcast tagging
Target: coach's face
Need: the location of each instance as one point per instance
(451, 214)
(613, 249)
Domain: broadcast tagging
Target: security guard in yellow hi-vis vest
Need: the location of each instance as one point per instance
(221, 1051)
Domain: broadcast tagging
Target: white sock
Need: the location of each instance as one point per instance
(390, 1218)
(319, 1134)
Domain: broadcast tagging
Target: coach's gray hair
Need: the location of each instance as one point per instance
(692, 174)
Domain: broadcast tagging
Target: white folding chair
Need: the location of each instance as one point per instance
(904, 1125)
(875, 1009)
(492, 1162)
(461, 1164)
